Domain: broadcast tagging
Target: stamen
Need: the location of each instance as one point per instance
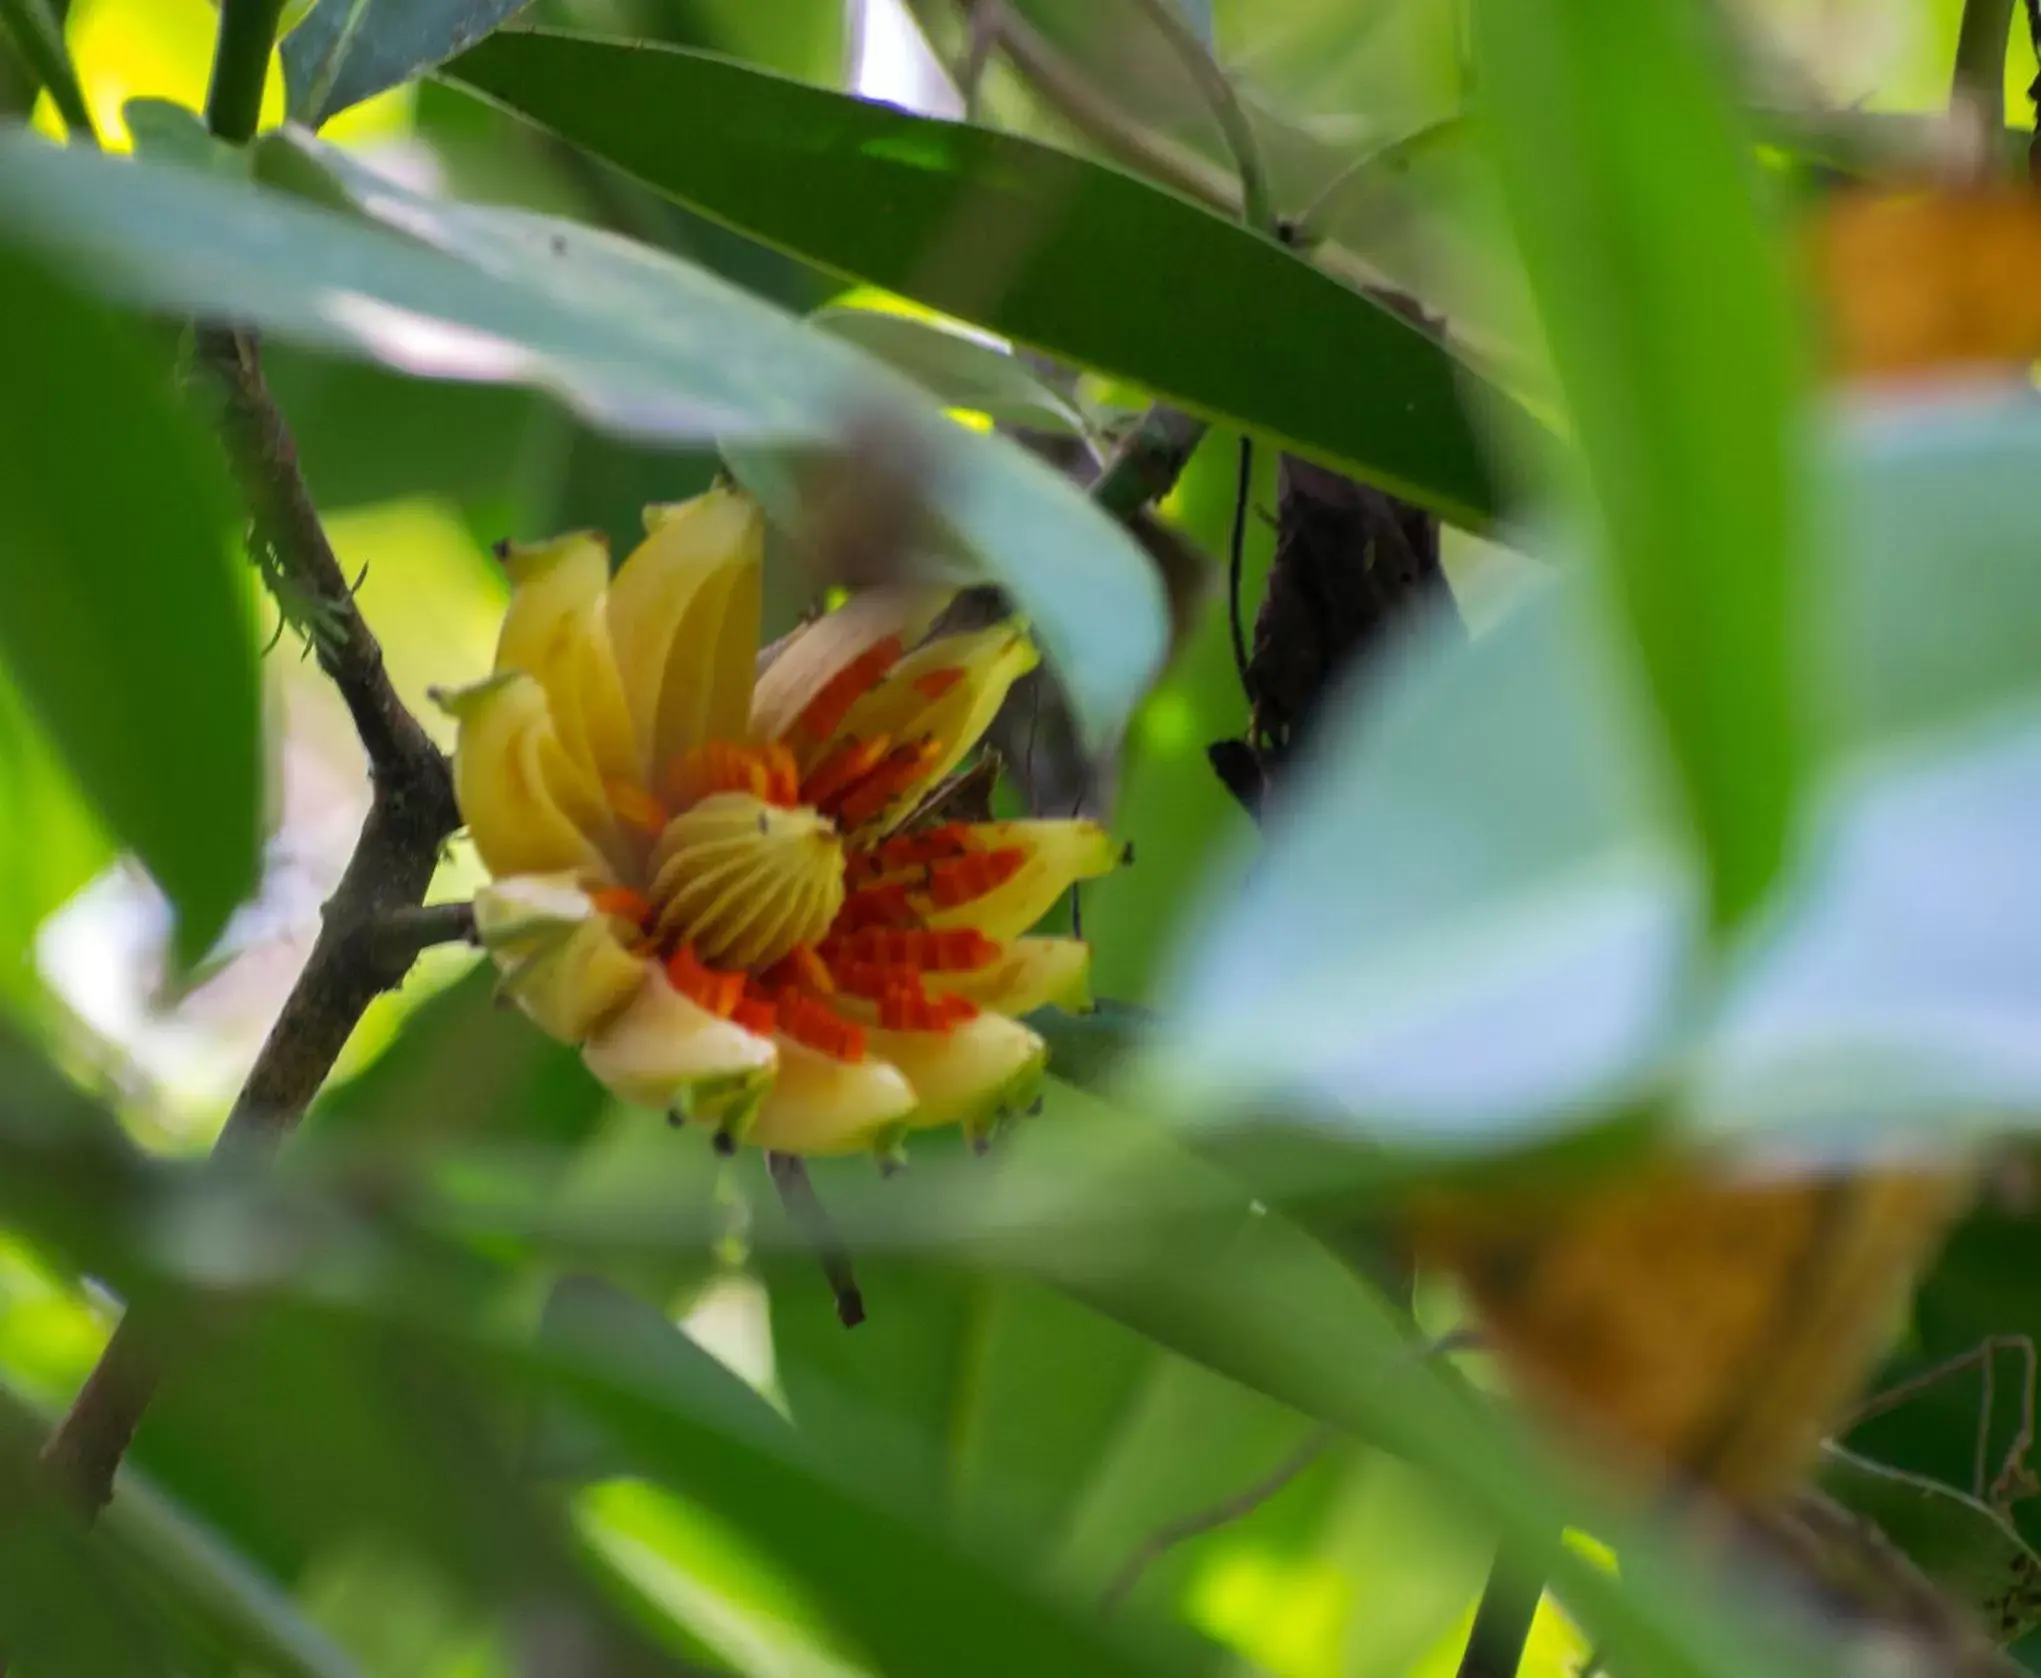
(823, 715)
(966, 877)
(900, 769)
(623, 902)
(708, 987)
(887, 905)
(848, 762)
(783, 776)
(800, 966)
(820, 1027)
(905, 1009)
(950, 950)
(635, 807)
(756, 1012)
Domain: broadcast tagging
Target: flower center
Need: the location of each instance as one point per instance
(743, 882)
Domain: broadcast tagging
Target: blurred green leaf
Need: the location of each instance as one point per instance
(345, 51)
(462, 1068)
(1664, 295)
(962, 371)
(1249, 1295)
(1965, 1547)
(1474, 922)
(50, 844)
(1468, 924)
(174, 133)
(242, 1612)
(642, 343)
(805, 38)
(122, 621)
(918, 1604)
(1039, 246)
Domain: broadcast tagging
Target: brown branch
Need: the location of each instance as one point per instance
(356, 956)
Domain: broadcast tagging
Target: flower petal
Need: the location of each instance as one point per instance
(562, 959)
(814, 654)
(946, 691)
(556, 631)
(1029, 973)
(1055, 854)
(527, 808)
(969, 1074)
(683, 613)
(821, 1105)
(664, 1050)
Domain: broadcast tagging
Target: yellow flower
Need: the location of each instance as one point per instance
(728, 896)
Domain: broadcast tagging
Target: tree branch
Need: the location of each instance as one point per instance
(356, 955)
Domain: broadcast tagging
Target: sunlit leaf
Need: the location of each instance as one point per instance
(640, 342)
(963, 371)
(122, 623)
(345, 51)
(1036, 245)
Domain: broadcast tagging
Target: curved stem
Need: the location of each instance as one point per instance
(1227, 111)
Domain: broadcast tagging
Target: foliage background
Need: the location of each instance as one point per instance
(1002, 1414)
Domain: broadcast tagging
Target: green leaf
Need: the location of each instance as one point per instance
(1244, 1292)
(1473, 923)
(1967, 1548)
(174, 133)
(1469, 924)
(123, 623)
(345, 51)
(962, 371)
(643, 344)
(1664, 296)
(50, 844)
(923, 1606)
(1043, 248)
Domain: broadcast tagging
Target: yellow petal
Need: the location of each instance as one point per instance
(813, 654)
(666, 1051)
(985, 663)
(683, 613)
(968, 1075)
(1058, 854)
(821, 1105)
(1030, 973)
(516, 786)
(562, 959)
(557, 631)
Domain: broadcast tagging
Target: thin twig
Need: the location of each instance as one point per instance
(1236, 563)
(352, 961)
(402, 934)
(1237, 1507)
(805, 1209)
(987, 23)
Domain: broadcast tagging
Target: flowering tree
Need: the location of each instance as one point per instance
(1115, 836)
